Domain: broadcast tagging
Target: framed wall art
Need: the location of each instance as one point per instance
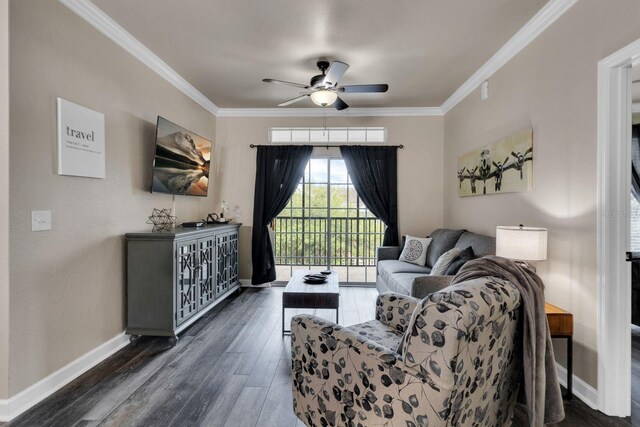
(506, 166)
(81, 146)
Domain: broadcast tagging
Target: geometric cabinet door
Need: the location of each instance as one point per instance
(206, 291)
(222, 260)
(232, 257)
(186, 290)
(226, 261)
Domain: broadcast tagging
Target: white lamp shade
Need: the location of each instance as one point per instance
(324, 98)
(521, 243)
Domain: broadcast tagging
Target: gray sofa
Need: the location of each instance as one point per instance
(405, 278)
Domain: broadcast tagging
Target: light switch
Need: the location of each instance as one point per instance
(40, 220)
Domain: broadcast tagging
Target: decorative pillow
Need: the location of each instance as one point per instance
(465, 255)
(445, 260)
(415, 250)
(443, 240)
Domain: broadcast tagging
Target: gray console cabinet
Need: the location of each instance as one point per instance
(173, 278)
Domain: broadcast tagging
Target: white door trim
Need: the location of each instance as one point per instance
(614, 274)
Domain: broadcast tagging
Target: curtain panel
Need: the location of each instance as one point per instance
(635, 161)
(374, 173)
(279, 170)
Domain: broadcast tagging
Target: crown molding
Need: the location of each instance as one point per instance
(330, 112)
(110, 28)
(553, 10)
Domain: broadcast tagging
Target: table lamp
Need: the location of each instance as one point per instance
(521, 243)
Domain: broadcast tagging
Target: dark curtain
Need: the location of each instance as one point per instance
(635, 162)
(635, 293)
(279, 170)
(374, 173)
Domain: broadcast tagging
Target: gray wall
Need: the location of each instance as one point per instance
(67, 285)
(549, 86)
(419, 167)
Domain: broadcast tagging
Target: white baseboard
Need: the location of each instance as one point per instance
(14, 406)
(581, 389)
(4, 410)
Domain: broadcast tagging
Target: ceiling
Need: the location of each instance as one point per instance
(424, 49)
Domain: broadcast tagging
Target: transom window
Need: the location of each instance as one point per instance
(325, 225)
(332, 135)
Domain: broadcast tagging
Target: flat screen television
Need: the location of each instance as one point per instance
(181, 163)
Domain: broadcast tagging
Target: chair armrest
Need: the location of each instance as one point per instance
(387, 252)
(424, 286)
(395, 310)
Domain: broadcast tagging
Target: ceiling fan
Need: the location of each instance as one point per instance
(323, 88)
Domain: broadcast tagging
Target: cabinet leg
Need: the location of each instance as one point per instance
(173, 340)
(133, 339)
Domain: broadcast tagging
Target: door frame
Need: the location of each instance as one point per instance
(614, 188)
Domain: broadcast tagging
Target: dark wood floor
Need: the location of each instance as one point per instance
(232, 368)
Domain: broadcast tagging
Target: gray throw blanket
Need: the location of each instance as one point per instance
(541, 388)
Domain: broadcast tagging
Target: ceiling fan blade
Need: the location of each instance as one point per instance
(282, 82)
(293, 100)
(340, 104)
(364, 88)
(334, 73)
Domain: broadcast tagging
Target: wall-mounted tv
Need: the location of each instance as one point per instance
(181, 163)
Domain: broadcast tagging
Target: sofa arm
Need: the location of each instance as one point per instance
(424, 286)
(388, 252)
(395, 310)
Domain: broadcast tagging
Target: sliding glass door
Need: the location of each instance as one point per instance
(326, 226)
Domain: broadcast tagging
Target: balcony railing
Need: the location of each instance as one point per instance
(328, 242)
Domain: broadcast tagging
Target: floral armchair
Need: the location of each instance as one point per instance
(447, 360)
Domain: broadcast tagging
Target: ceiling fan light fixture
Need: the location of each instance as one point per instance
(324, 98)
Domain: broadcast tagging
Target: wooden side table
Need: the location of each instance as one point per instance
(561, 326)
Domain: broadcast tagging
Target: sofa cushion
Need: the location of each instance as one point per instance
(402, 283)
(465, 255)
(443, 240)
(482, 245)
(389, 267)
(378, 332)
(443, 263)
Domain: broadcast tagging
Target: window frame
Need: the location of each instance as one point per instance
(374, 135)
